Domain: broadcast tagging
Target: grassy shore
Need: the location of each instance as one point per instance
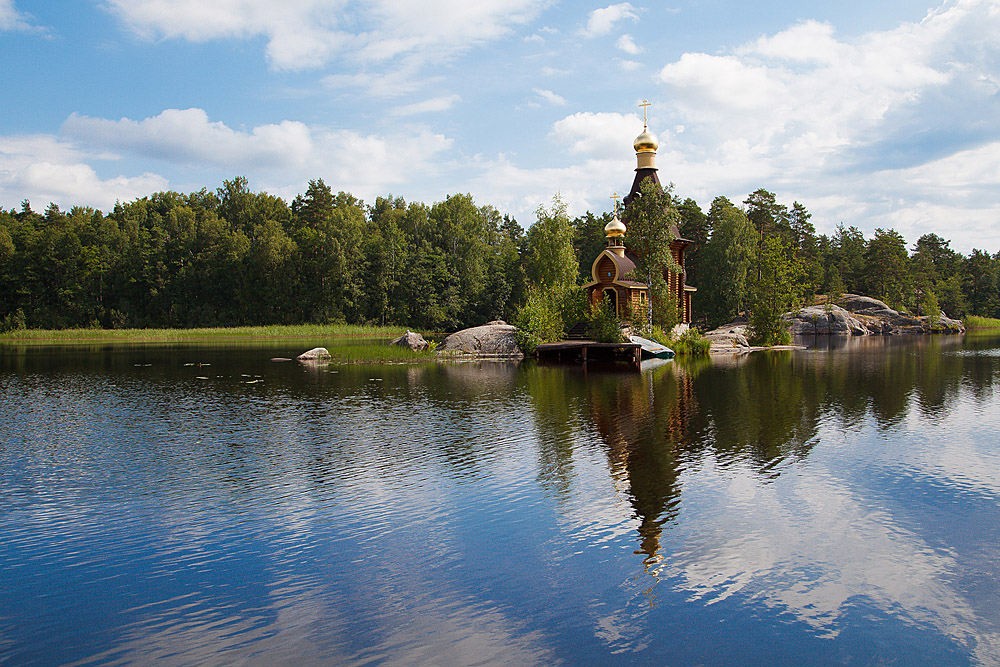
(976, 322)
(215, 333)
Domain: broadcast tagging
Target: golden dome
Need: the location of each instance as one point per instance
(614, 228)
(645, 142)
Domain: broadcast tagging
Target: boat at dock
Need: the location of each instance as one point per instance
(651, 349)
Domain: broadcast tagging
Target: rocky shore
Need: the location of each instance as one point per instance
(851, 315)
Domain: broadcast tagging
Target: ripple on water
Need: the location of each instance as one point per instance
(456, 516)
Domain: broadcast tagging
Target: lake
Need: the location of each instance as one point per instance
(201, 504)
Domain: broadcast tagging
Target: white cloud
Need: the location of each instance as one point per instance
(44, 169)
(584, 186)
(282, 153)
(403, 79)
(433, 105)
(552, 71)
(628, 45)
(851, 551)
(309, 33)
(188, 137)
(807, 41)
(550, 97)
(12, 19)
(601, 135)
(603, 141)
(628, 65)
(602, 21)
(818, 114)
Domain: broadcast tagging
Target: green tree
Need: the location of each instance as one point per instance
(931, 308)
(588, 240)
(848, 256)
(729, 251)
(550, 260)
(806, 248)
(768, 217)
(980, 272)
(886, 266)
(696, 227)
(772, 293)
(651, 222)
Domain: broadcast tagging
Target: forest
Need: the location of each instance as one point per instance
(237, 257)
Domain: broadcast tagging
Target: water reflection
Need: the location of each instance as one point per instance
(829, 505)
(828, 539)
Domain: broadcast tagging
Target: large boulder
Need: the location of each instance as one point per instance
(865, 305)
(729, 336)
(412, 340)
(826, 320)
(315, 354)
(879, 318)
(495, 339)
(948, 325)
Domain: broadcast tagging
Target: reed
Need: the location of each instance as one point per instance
(376, 353)
(977, 322)
(274, 332)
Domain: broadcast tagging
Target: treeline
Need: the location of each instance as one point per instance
(236, 257)
(764, 255)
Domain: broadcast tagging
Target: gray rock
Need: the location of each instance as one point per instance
(495, 339)
(826, 320)
(865, 305)
(732, 335)
(949, 325)
(412, 340)
(879, 318)
(315, 354)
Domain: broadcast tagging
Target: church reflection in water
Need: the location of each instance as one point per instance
(644, 422)
(760, 413)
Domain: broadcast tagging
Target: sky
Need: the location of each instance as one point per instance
(871, 114)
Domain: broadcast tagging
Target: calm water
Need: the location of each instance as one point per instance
(834, 506)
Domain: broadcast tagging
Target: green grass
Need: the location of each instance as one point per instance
(976, 322)
(376, 353)
(345, 343)
(215, 333)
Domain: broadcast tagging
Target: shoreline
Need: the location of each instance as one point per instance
(197, 335)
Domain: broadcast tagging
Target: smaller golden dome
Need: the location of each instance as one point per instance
(646, 142)
(614, 228)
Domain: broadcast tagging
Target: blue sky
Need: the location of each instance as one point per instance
(874, 114)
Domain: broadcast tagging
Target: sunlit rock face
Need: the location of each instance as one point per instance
(495, 339)
(315, 354)
(878, 318)
(412, 340)
(829, 319)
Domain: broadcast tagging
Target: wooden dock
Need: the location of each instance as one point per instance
(584, 351)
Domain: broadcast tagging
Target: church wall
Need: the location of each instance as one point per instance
(605, 267)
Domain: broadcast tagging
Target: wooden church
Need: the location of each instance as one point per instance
(613, 273)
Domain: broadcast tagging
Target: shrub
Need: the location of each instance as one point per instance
(14, 321)
(691, 343)
(540, 319)
(602, 324)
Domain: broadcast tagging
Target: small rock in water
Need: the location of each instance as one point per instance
(280, 359)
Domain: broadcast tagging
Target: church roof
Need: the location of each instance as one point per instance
(624, 269)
